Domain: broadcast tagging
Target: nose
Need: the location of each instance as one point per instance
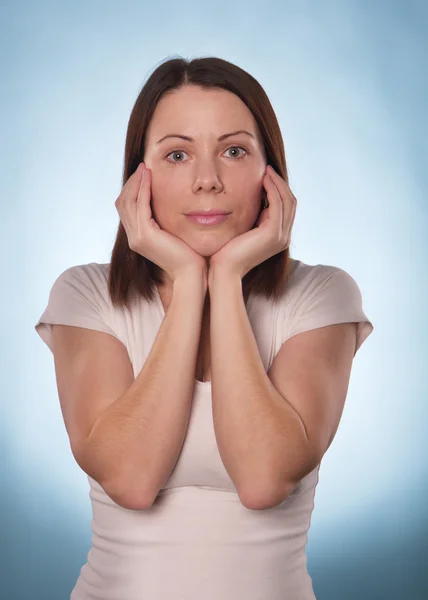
(207, 178)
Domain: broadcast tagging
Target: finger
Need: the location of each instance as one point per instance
(276, 208)
(289, 212)
(133, 180)
(290, 205)
(131, 185)
(280, 182)
(131, 188)
(144, 195)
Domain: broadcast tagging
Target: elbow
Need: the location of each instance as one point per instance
(128, 497)
(121, 492)
(262, 500)
(131, 502)
(124, 491)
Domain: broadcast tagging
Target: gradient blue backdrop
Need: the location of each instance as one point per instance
(348, 81)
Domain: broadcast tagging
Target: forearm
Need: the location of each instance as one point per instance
(258, 432)
(139, 437)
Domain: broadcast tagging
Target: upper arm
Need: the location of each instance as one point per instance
(312, 368)
(312, 372)
(92, 371)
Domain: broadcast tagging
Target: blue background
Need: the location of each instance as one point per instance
(348, 81)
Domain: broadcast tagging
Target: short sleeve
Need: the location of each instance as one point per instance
(335, 299)
(77, 298)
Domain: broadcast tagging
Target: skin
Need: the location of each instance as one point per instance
(206, 173)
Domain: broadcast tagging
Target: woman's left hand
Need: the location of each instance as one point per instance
(271, 234)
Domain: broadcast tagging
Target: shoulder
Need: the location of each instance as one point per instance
(322, 295)
(86, 283)
(86, 278)
(308, 280)
(97, 273)
(304, 274)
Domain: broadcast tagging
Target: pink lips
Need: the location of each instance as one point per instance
(208, 219)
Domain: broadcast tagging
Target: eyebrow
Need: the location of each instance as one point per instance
(220, 139)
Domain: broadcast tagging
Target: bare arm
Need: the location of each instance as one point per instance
(138, 438)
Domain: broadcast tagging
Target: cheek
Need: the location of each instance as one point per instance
(246, 218)
(161, 198)
(253, 203)
(159, 206)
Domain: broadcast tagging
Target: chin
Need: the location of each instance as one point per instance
(209, 244)
(207, 250)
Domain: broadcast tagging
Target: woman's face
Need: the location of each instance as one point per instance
(204, 173)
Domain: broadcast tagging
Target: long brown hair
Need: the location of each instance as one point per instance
(132, 273)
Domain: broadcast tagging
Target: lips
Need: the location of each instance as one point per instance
(208, 213)
(208, 219)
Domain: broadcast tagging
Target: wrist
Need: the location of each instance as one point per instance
(193, 277)
(218, 273)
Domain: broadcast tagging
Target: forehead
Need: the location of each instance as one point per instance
(198, 112)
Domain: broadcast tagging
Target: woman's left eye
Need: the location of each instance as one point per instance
(239, 148)
(231, 148)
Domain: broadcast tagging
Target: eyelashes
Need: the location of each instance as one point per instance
(173, 162)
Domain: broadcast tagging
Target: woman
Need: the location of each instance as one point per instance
(201, 418)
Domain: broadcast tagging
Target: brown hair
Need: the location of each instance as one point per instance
(129, 271)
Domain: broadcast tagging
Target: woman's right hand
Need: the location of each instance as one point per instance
(146, 237)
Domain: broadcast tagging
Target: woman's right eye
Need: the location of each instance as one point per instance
(175, 152)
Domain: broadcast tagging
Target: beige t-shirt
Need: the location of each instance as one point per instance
(197, 541)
